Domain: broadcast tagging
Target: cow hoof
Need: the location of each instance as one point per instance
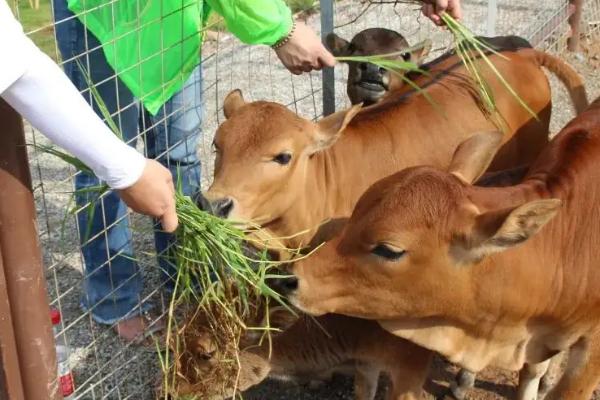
(456, 392)
(447, 396)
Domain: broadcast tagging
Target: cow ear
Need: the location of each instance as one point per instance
(473, 156)
(499, 230)
(233, 101)
(330, 128)
(416, 54)
(338, 46)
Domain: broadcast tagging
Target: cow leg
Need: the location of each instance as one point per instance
(366, 379)
(529, 380)
(582, 375)
(408, 377)
(551, 376)
(465, 380)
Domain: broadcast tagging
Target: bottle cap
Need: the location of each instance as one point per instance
(55, 316)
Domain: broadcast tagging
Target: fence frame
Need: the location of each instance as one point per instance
(27, 352)
(26, 340)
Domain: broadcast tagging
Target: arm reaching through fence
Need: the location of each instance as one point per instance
(36, 88)
(270, 22)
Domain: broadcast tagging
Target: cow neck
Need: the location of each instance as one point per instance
(551, 266)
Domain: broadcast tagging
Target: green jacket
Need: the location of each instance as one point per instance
(154, 45)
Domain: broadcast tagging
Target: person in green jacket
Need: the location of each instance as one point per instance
(150, 55)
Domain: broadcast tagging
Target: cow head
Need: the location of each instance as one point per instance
(263, 153)
(414, 242)
(368, 83)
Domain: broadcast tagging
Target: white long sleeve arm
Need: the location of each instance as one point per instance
(36, 87)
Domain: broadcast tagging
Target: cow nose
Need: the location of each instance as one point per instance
(284, 285)
(202, 203)
(222, 207)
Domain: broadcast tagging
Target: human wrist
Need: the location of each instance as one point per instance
(285, 39)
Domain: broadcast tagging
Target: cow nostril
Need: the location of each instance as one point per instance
(223, 207)
(382, 71)
(202, 203)
(283, 286)
(291, 284)
(363, 66)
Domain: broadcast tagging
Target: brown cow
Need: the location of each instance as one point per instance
(368, 83)
(484, 276)
(290, 174)
(310, 349)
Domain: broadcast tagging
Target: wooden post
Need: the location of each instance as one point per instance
(22, 264)
(575, 23)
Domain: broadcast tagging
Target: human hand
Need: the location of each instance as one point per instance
(154, 195)
(433, 10)
(304, 51)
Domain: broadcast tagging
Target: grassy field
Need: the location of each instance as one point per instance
(40, 21)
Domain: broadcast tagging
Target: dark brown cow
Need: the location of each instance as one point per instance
(368, 83)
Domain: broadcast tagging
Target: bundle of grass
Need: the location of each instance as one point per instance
(220, 293)
(474, 54)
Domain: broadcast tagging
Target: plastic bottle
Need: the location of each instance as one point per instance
(65, 376)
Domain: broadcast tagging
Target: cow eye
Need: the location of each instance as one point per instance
(282, 158)
(406, 56)
(383, 250)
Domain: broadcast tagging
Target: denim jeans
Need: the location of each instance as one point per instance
(112, 280)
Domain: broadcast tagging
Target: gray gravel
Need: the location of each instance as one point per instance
(104, 367)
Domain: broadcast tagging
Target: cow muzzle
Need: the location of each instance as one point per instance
(372, 78)
(202, 203)
(286, 284)
(222, 207)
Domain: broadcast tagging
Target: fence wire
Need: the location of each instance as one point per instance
(104, 367)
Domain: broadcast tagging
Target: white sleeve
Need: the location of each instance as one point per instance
(36, 87)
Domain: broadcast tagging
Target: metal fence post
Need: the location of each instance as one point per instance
(575, 23)
(22, 264)
(328, 73)
(492, 15)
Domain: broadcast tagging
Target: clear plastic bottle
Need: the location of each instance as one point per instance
(65, 376)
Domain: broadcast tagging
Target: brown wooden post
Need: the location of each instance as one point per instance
(11, 386)
(575, 24)
(22, 264)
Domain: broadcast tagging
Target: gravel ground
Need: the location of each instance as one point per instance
(105, 368)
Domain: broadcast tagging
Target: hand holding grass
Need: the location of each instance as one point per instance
(303, 51)
(433, 9)
(153, 194)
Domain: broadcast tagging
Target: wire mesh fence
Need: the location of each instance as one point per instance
(99, 258)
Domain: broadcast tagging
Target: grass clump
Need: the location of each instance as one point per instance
(220, 291)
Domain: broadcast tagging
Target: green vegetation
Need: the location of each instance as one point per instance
(40, 22)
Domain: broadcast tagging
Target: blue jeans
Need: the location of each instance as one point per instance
(112, 279)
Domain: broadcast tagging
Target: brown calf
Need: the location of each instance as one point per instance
(485, 276)
(367, 83)
(310, 349)
(290, 174)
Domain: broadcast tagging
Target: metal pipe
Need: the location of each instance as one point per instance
(328, 73)
(575, 24)
(22, 260)
(492, 16)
